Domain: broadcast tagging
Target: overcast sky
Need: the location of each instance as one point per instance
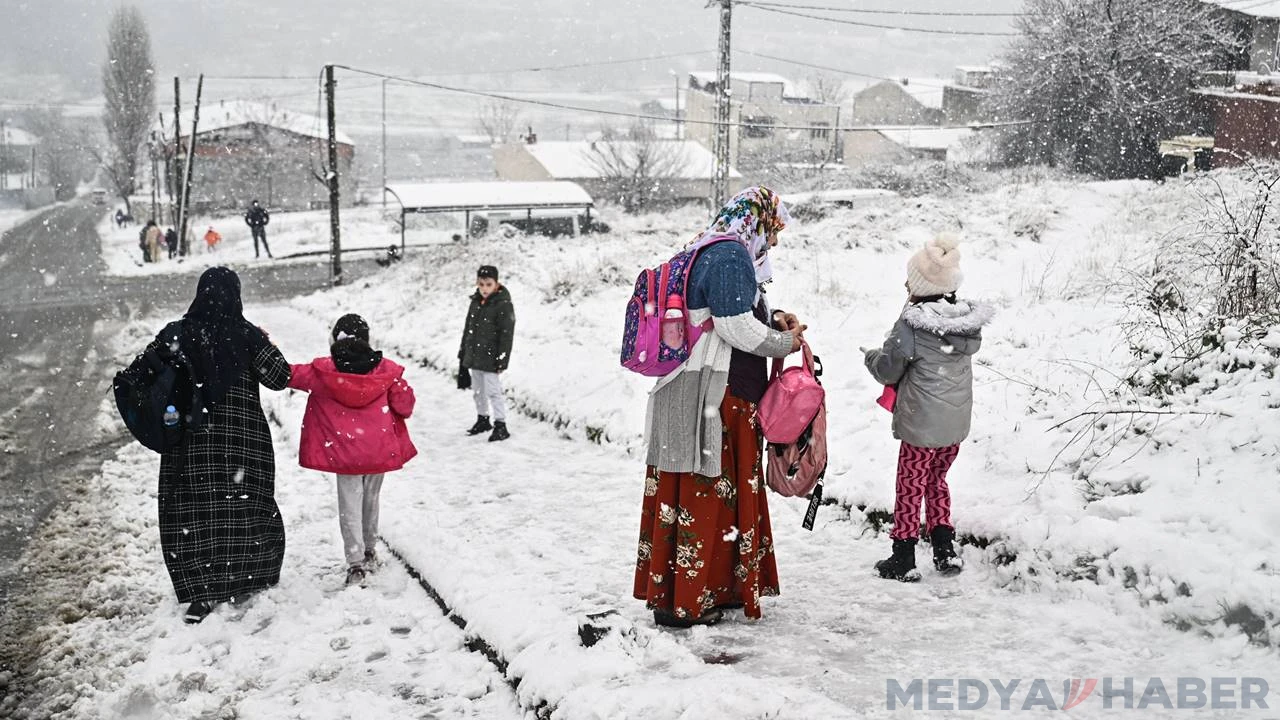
(233, 37)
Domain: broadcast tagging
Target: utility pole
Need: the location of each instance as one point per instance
(4, 155)
(720, 178)
(155, 189)
(331, 175)
(384, 143)
(177, 151)
(677, 112)
(184, 205)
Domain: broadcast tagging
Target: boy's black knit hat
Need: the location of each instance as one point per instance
(351, 325)
(487, 271)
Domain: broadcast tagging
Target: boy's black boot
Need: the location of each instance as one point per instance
(945, 560)
(902, 564)
(499, 432)
(482, 425)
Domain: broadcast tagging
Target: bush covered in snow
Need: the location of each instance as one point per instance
(1208, 304)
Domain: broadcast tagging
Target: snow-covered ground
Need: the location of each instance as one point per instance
(12, 218)
(293, 237)
(1147, 554)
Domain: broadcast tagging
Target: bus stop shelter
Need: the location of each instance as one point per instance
(484, 197)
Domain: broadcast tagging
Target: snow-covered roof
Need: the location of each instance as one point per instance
(926, 137)
(709, 76)
(1255, 8)
(482, 195)
(18, 136)
(926, 91)
(848, 196)
(569, 160)
(234, 113)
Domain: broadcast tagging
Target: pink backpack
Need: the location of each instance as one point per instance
(798, 468)
(791, 401)
(656, 334)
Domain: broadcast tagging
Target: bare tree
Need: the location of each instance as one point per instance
(827, 88)
(62, 157)
(638, 169)
(497, 119)
(128, 85)
(1101, 81)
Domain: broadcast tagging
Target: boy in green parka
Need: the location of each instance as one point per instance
(486, 351)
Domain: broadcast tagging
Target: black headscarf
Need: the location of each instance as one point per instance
(350, 346)
(215, 335)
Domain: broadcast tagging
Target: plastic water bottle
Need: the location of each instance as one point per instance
(673, 323)
(170, 416)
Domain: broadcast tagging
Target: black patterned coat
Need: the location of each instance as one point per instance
(220, 529)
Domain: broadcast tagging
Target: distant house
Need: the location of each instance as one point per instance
(963, 97)
(246, 151)
(771, 122)
(1258, 25)
(909, 101)
(1241, 101)
(17, 154)
(893, 145)
(682, 168)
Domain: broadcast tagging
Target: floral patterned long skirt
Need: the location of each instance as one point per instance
(705, 541)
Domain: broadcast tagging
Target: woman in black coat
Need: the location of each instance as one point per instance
(220, 529)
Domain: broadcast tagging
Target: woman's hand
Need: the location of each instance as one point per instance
(785, 320)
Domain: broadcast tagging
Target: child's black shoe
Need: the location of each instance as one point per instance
(482, 425)
(902, 564)
(499, 432)
(945, 560)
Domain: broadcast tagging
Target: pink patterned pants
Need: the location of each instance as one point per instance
(922, 475)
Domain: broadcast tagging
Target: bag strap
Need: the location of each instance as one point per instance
(807, 361)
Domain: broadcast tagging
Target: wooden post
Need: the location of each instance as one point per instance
(173, 171)
(184, 205)
(335, 230)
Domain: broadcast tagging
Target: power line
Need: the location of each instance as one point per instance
(839, 21)
(659, 118)
(925, 13)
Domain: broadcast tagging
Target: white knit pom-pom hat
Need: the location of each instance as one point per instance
(935, 269)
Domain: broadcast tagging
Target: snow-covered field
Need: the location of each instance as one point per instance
(1145, 554)
(293, 237)
(12, 218)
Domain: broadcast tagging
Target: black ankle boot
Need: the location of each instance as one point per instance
(482, 425)
(499, 432)
(945, 560)
(902, 564)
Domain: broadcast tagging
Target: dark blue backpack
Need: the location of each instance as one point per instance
(155, 380)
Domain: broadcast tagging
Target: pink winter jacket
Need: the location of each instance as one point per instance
(354, 424)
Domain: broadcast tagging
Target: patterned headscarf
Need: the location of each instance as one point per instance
(750, 216)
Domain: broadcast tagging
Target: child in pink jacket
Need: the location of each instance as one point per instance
(354, 427)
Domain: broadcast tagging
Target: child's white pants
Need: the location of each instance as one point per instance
(486, 387)
(358, 514)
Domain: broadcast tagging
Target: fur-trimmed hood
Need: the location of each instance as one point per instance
(962, 318)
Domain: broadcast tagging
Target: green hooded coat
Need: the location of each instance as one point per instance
(486, 338)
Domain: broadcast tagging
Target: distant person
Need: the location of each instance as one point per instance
(211, 239)
(221, 533)
(257, 218)
(171, 241)
(354, 427)
(120, 218)
(928, 358)
(154, 238)
(486, 351)
(142, 243)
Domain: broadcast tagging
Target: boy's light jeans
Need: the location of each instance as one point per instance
(358, 514)
(486, 387)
